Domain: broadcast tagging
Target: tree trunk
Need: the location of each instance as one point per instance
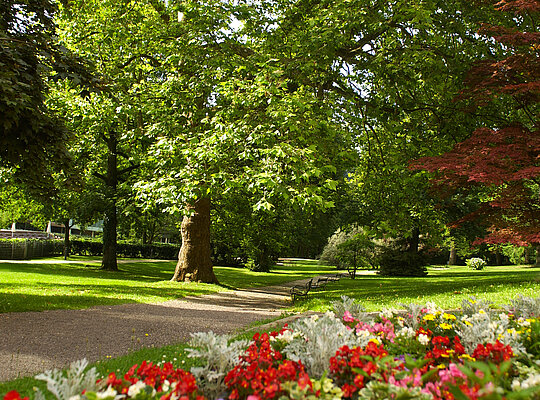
(414, 241)
(110, 221)
(194, 262)
(67, 243)
(498, 257)
(537, 262)
(109, 240)
(452, 260)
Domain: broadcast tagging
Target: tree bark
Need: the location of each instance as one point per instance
(537, 262)
(110, 221)
(67, 243)
(452, 260)
(194, 262)
(498, 257)
(414, 241)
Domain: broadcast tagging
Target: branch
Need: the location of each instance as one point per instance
(100, 176)
(153, 61)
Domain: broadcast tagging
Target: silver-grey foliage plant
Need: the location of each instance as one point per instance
(412, 314)
(525, 307)
(318, 340)
(72, 384)
(356, 309)
(219, 356)
(472, 306)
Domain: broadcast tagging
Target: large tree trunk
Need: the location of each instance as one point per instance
(110, 222)
(537, 262)
(194, 262)
(67, 243)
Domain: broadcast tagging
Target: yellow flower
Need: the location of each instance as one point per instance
(467, 357)
(451, 317)
(429, 317)
(445, 326)
(467, 323)
(481, 312)
(375, 341)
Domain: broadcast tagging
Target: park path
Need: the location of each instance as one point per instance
(32, 342)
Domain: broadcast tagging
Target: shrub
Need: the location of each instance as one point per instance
(475, 263)
(353, 248)
(396, 262)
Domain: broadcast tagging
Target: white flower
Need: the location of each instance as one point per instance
(166, 385)
(76, 397)
(406, 332)
(531, 381)
(387, 313)
(287, 336)
(516, 385)
(136, 388)
(424, 339)
(110, 392)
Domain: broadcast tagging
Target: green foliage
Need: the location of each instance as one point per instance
(401, 263)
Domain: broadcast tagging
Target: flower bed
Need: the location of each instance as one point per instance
(422, 353)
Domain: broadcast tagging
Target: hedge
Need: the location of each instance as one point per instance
(21, 249)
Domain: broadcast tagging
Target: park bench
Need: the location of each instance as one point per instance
(301, 290)
(298, 291)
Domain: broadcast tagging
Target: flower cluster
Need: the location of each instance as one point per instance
(262, 370)
(422, 353)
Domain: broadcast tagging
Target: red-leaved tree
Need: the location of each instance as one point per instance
(504, 157)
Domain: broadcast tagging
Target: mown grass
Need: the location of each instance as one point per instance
(50, 284)
(445, 287)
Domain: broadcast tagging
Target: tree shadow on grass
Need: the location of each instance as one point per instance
(135, 271)
(79, 296)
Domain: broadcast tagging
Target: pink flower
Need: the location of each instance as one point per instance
(253, 397)
(347, 317)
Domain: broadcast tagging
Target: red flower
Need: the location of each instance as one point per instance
(14, 395)
(496, 352)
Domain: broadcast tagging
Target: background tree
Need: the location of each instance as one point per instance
(123, 42)
(502, 157)
(32, 138)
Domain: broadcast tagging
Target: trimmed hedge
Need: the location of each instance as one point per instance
(161, 251)
(26, 249)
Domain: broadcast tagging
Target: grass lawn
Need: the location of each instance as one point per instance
(446, 287)
(50, 284)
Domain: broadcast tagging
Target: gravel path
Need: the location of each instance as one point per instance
(32, 342)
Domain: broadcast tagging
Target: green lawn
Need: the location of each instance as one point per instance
(50, 284)
(445, 287)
